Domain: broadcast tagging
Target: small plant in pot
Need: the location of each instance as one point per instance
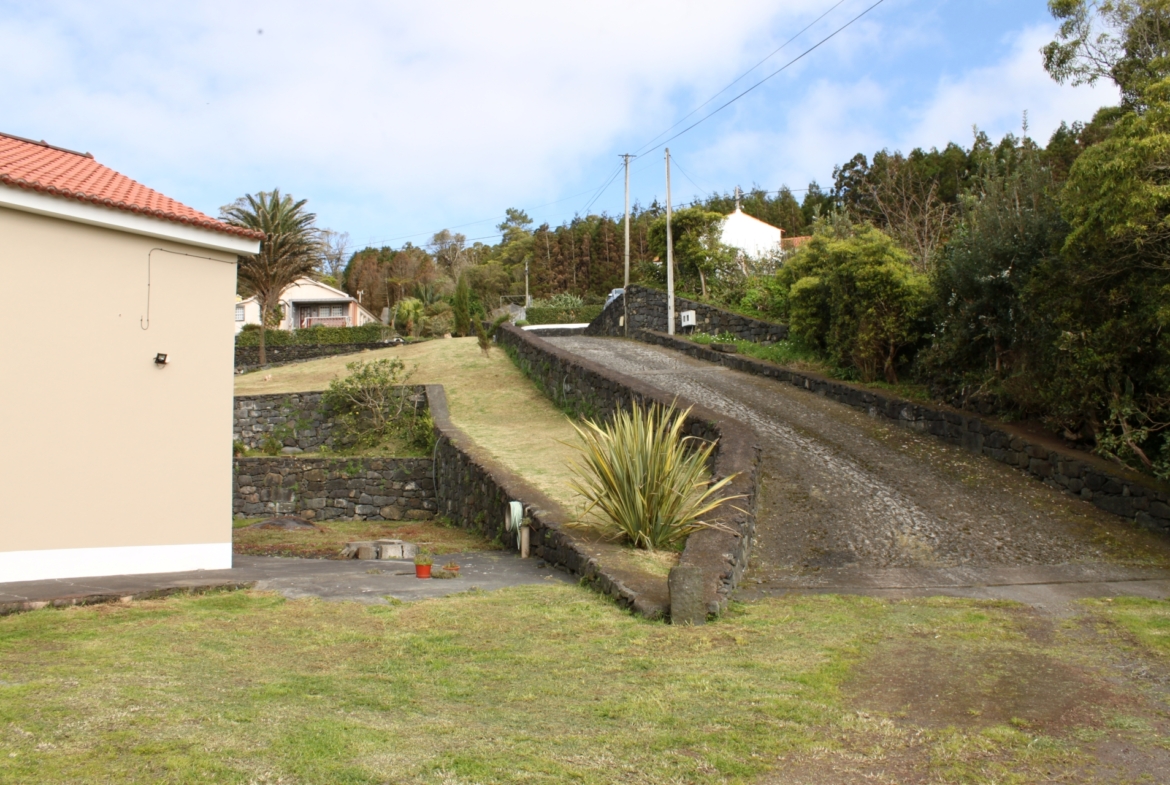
(422, 565)
(452, 568)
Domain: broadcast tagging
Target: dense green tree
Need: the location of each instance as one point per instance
(1009, 224)
(1105, 296)
(1126, 41)
(700, 258)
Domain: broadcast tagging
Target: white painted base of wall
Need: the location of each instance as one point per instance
(127, 560)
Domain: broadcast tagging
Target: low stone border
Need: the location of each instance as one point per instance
(647, 311)
(321, 489)
(1126, 494)
(584, 387)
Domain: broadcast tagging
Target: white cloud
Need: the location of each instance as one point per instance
(825, 122)
(382, 106)
(996, 97)
(398, 116)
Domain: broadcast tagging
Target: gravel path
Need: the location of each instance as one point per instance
(845, 497)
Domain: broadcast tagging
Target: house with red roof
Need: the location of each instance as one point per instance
(117, 412)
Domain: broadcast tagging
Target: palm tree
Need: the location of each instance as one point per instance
(290, 249)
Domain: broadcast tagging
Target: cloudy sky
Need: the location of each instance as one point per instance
(396, 119)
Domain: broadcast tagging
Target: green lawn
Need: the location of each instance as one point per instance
(553, 684)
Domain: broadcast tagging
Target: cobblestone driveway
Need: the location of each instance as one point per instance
(845, 497)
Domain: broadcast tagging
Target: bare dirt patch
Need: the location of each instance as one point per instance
(935, 686)
(325, 541)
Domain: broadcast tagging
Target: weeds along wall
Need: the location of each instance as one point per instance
(582, 388)
(647, 311)
(291, 421)
(1124, 493)
(321, 489)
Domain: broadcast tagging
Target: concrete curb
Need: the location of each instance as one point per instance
(9, 608)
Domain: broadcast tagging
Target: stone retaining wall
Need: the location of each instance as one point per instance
(647, 311)
(1127, 494)
(321, 489)
(587, 388)
(294, 420)
(248, 357)
(473, 490)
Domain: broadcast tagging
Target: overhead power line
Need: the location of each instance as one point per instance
(779, 70)
(602, 189)
(691, 180)
(774, 52)
(643, 151)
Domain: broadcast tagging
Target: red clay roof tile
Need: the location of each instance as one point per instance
(37, 166)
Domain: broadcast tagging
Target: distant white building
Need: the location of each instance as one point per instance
(308, 303)
(754, 238)
(751, 235)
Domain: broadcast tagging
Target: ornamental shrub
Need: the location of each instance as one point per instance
(371, 402)
(643, 481)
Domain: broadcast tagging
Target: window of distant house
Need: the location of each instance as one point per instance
(239, 313)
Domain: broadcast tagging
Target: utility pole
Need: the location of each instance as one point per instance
(626, 285)
(669, 256)
(527, 298)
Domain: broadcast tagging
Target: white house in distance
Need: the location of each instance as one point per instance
(753, 237)
(308, 303)
(118, 411)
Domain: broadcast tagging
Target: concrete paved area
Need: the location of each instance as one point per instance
(855, 505)
(361, 581)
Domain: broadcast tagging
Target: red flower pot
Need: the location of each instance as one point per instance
(422, 570)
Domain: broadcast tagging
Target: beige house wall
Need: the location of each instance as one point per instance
(118, 464)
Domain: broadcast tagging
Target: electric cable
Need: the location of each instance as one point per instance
(603, 188)
(745, 73)
(674, 160)
(643, 151)
(779, 70)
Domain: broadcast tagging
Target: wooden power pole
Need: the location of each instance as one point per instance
(669, 256)
(626, 284)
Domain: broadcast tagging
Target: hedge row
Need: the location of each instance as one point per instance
(368, 333)
(585, 313)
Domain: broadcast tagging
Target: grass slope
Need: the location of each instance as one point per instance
(488, 397)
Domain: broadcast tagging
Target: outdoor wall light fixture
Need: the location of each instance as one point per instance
(160, 359)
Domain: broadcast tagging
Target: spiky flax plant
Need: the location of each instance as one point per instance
(643, 481)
